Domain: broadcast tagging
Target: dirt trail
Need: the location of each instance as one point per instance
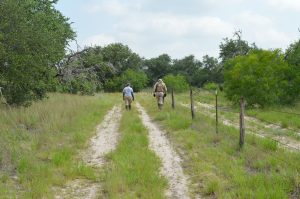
(102, 143)
(105, 140)
(171, 161)
(255, 127)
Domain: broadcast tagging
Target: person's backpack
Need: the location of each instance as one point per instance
(159, 87)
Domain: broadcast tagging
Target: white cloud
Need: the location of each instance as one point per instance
(101, 39)
(151, 27)
(185, 26)
(272, 38)
(226, 2)
(111, 7)
(285, 4)
(253, 19)
(175, 25)
(178, 35)
(261, 30)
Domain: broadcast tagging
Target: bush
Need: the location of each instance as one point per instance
(211, 86)
(80, 85)
(177, 82)
(261, 77)
(292, 57)
(138, 80)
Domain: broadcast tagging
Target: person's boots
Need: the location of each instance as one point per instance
(159, 106)
(126, 107)
(129, 106)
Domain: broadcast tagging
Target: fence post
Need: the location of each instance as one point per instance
(173, 100)
(1, 95)
(217, 119)
(192, 103)
(242, 122)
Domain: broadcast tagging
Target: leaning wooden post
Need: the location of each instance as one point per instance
(1, 95)
(217, 119)
(242, 122)
(192, 103)
(173, 100)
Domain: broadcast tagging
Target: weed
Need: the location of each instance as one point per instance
(268, 144)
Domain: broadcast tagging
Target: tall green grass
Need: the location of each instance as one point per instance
(38, 144)
(132, 170)
(216, 165)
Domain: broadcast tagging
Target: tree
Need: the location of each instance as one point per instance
(33, 37)
(190, 68)
(231, 48)
(137, 79)
(121, 57)
(292, 56)
(176, 82)
(158, 67)
(85, 67)
(212, 69)
(261, 77)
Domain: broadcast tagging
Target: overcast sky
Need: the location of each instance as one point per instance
(182, 27)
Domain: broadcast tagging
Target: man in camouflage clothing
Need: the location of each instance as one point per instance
(160, 92)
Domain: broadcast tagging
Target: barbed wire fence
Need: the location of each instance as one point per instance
(196, 92)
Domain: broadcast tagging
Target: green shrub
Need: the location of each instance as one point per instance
(211, 86)
(138, 81)
(261, 77)
(80, 85)
(177, 82)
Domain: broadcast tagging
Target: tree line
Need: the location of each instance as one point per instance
(33, 61)
(109, 68)
(262, 77)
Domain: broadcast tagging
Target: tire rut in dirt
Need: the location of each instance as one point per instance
(171, 161)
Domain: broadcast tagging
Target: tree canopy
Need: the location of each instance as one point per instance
(33, 37)
(261, 77)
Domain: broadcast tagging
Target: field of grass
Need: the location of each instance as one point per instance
(39, 147)
(38, 144)
(132, 170)
(218, 168)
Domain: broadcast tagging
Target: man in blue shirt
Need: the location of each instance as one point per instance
(128, 96)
